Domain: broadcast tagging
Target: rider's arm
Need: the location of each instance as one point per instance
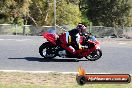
(78, 41)
(80, 46)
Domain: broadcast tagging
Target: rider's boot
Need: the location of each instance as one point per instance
(71, 50)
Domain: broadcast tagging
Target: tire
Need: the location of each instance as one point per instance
(95, 55)
(47, 50)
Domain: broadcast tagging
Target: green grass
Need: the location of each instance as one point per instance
(48, 80)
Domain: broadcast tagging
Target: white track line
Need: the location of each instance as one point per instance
(19, 40)
(1, 39)
(122, 43)
(22, 71)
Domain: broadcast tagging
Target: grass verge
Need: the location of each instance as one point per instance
(48, 80)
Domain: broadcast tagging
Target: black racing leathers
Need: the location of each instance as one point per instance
(75, 37)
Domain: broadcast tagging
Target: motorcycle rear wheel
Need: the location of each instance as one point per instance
(47, 50)
(95, 55)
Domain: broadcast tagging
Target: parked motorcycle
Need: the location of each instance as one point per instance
(55, 47)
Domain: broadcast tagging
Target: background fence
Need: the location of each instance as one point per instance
(111, 31)
(98, 31)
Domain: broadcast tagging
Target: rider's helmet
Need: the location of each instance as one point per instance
(81, 28)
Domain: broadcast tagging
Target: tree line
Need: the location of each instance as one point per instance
(68, 12)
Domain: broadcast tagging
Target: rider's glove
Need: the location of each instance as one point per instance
(84, 47)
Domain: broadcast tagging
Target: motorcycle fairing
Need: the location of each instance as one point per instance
(50, 37)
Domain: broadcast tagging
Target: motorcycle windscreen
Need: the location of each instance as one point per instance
(50, 35)
(92, 38)
(51, 30)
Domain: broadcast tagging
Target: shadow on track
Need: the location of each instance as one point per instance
(49, 60)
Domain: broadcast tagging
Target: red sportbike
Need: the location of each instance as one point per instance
(56, 47)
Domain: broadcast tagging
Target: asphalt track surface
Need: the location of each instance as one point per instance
(21, 53)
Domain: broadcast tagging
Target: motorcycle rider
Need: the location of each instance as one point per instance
(72, 38)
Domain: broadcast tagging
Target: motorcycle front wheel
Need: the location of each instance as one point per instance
(47, 50)
(95, 55)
